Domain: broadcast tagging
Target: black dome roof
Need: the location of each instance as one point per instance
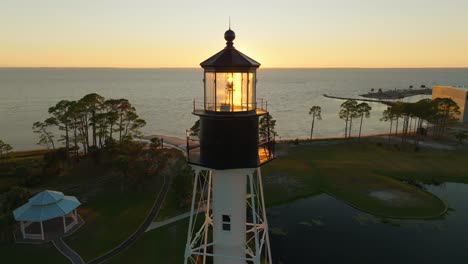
(229, 57)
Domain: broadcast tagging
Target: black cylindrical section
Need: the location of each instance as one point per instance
(229, 142)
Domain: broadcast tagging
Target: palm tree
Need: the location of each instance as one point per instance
(363, 110)
(316, 112)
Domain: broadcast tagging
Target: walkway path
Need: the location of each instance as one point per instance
(141, 230)
(67, 251)
(159, 224)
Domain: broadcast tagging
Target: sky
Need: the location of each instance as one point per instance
(287, 33)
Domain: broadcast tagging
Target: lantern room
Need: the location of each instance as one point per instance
(229, 80)
(228, 136)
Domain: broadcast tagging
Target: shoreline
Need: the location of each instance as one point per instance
(181, 143)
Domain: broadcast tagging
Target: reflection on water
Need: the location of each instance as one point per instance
(322, 229)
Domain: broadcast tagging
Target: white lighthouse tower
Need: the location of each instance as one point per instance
(228, 223)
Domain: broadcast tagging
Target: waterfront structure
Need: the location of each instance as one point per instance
(46, 206)
(459, 94)
(228, 221)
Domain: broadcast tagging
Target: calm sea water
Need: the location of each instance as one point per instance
(163, 97)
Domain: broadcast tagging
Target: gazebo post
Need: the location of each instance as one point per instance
(22, 229)
(42, 231)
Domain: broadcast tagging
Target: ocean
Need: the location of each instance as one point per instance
(163, 97)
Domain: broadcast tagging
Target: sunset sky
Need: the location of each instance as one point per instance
(308, 33)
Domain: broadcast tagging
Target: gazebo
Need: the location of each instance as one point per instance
(44, 206)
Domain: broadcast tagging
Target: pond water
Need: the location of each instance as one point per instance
(322, 229)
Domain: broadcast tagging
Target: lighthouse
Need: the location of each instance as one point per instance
(228, 222)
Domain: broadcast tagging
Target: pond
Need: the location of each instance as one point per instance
(322, 229)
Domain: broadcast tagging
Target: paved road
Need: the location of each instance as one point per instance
(141, 230)
(67, 251)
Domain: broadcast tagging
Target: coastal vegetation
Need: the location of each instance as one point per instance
(439, 113)
(89, 123)
(350, 109)
(363, 110)
(266, 127)
(397, 93)
(316, 113)
(5, 149)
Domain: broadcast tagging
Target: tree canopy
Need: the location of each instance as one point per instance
(91, 122)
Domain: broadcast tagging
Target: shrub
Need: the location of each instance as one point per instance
(15, 197)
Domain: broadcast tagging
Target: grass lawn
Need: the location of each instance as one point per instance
(162, 245)
(110, 218)
(23, 253)
(364, 174)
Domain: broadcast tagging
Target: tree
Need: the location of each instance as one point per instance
(461, 136)
(4, 149)
(63, 120)
(315, 111)
(131, 125)
(447, 109)
(363, 110)
(93, 103)
(182, 183)
(266, 127)
(348, 112)
(195, 129)
(387, 115)
(46, 137)
(15, 197)
(156, 143)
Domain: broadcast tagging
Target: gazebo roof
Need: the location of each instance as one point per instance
(46, 205)
(46, 197)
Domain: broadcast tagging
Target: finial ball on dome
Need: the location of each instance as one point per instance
(229, 35)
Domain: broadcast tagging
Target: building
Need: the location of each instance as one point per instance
(459, 94)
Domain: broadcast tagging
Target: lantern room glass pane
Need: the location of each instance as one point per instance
(229, 91)
(245, 99)
(251, 91)
(210, 86)
(223, 97)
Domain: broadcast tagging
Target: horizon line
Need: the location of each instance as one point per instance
(155, 68)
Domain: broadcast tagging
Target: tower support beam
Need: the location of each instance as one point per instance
(232, 226)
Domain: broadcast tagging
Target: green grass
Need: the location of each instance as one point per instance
(170, 207)
(351, 171)
(162, 245)
(110, 218)
(24, 253)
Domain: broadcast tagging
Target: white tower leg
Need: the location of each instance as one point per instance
(234, 229)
